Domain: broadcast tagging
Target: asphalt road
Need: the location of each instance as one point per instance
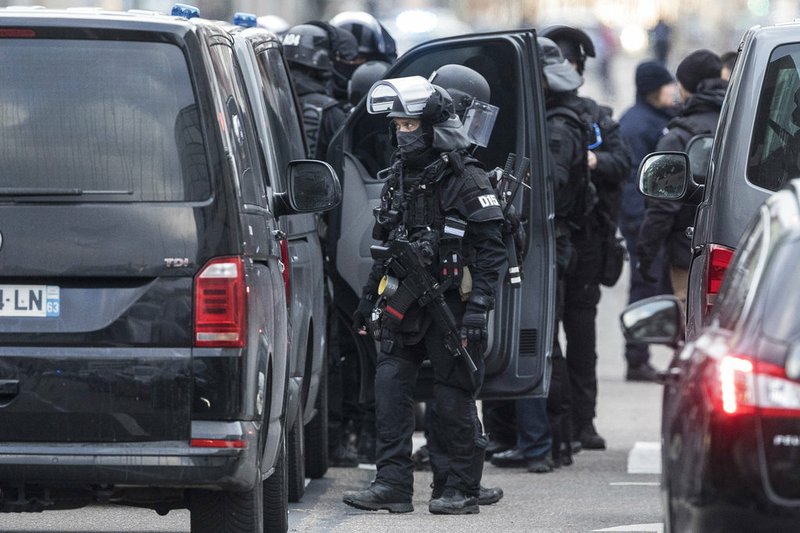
(599, 492)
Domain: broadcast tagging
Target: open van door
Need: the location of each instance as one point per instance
(521, 327)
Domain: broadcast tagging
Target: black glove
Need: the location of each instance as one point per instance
(474, 323)
(644, 272)
(363, 313)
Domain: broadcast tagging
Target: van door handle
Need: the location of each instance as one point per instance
(9, 387)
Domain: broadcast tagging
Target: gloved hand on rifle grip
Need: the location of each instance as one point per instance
(474, 324)
(362, 314)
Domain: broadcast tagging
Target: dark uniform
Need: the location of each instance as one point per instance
(592, 240)
(425, 187)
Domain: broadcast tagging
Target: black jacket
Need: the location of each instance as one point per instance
(665, 221)
(312, 93)
(459, 190)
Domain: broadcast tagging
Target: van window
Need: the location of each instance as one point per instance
(115, 118)
(775, 150)
(282, 114)
(239, 130)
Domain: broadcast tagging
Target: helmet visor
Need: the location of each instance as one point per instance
(479, 119)
(411, 92)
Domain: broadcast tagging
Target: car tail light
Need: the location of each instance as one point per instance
(220, 296)
(742, 386)
(719, 258)
(286, 269)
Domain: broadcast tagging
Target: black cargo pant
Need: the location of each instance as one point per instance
(581, 296)
(458, 430)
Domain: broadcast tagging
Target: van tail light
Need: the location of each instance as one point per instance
(220, 304)
(739, 386)
(286, 268)
(719, 258)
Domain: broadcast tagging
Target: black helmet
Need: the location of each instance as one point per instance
(463, 84)
(575, 44)
(308, 45)
(363, 78)
(374, 41)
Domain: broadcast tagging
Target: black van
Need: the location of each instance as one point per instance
(756, 150)
(143, 322)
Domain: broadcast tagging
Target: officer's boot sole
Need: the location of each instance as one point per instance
(391, 507)
(467, 509)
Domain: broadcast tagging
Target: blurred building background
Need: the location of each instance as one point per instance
(620, 28)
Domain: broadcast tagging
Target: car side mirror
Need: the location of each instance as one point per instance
(655, 320)
(698, 150)
(664, 175)
(313, 187)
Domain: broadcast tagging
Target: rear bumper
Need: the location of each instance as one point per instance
(156, 464)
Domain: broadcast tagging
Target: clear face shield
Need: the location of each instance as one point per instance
(479, 119)
(412, 92)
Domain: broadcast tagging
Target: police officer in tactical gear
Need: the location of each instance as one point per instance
(308, 51)
(542, 425)
(374, 40)
(594, 240)
(438, 202)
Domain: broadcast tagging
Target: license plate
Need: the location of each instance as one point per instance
(30, 301)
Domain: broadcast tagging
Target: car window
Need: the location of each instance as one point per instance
(781, 321)
(125, 120)
(239, 128)
(286, 134)
(736, 289)
(775, 148)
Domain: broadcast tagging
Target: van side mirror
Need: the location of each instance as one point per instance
(313, 187)
(664, 175)
(655, 320)
(698, 150)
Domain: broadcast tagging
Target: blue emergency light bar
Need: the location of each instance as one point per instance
(245, 20)
(184, 10)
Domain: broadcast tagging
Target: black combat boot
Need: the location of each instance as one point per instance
(379, 497)
(487, 496)
(453, 501)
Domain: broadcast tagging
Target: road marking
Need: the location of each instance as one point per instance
(367, 466)
(635, 483)
(655, 528)
(308, 480)
(645, 458)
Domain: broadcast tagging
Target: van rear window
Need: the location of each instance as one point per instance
(116, 120)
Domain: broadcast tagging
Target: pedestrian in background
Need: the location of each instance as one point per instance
(642, 126)
(661, 40)
(702, 91)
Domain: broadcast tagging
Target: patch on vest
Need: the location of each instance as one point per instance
(488, 200)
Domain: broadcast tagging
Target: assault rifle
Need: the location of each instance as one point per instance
(411, 282)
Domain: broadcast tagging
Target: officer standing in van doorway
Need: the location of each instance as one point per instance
(543, 423)
(665, 223)
(440, 223)
(596, 248)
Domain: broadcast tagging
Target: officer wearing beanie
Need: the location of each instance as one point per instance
(436, 198)
(702, 92)
(642, 126)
